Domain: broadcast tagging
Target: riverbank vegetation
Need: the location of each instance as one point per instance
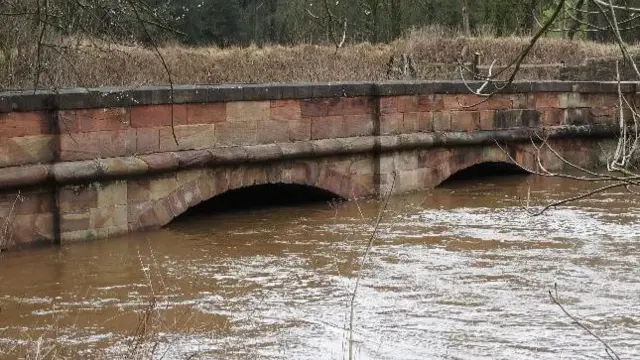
(66, 43)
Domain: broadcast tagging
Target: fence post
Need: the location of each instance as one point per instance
(475, 67)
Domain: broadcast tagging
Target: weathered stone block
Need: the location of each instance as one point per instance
(147, 140)
(27, 150)
(408, 103)
(273, 132)
(411, 122)
(113, 194)
(158, 115)
(432, 102)
(553, 117)
(236, 133)
(486, 120)
(388, 104)
(578, 116)
(544, 100)
(391, 124)
(192, 137)
(474, 102)
(358, 125)
(286, 110)
(206, 113)
(357, 106)
(162, 186)
(100, 144)
(248, 111)
(316, 107)
(465, 120)
(17, 124)
(300, 130)
(107, 217)
(572, 100)
(327, 127)
(102, 119)
(77, 199)
(441, 121)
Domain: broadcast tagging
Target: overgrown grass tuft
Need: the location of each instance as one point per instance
(90, 63)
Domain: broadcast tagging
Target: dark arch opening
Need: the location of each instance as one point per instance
(484, 170)
(261, 197)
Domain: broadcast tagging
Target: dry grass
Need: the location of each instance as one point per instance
(90, 63)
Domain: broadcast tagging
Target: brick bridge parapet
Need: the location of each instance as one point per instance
(94, 163)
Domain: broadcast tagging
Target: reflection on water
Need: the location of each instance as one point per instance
(461, 272)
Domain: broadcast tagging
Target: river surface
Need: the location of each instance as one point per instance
(460, 272)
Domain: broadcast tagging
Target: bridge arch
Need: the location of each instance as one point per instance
(169, 196)
(457, 160)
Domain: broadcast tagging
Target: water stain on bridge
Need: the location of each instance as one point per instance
(460, 272)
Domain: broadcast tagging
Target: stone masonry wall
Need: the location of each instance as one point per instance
(75, 166)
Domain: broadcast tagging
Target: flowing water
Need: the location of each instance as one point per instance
(460, 272)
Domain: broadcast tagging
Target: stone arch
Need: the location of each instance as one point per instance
(459, 159)
(171, 195)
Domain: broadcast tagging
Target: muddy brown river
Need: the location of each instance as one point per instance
(460, 272)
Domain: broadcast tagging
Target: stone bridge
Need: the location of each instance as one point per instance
(81, 164)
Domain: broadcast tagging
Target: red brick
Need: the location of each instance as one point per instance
(327, 127)
(285, 110)
(17, 124)
(206, 113)
(158, 115)
(102, 119)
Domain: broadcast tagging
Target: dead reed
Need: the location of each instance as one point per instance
(90, 63)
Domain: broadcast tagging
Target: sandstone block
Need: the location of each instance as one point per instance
(236, 133)
(27, 150)
(16, 124)
(286, 110)
(327, 127)
(391, 124)
(158, 115)
(206, 113)
(248, 111)
(102, 119)
(358, 125)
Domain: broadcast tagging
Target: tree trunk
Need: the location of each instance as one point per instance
(574, 25)
(466, 24)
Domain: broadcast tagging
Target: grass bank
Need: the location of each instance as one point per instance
(89, 63)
